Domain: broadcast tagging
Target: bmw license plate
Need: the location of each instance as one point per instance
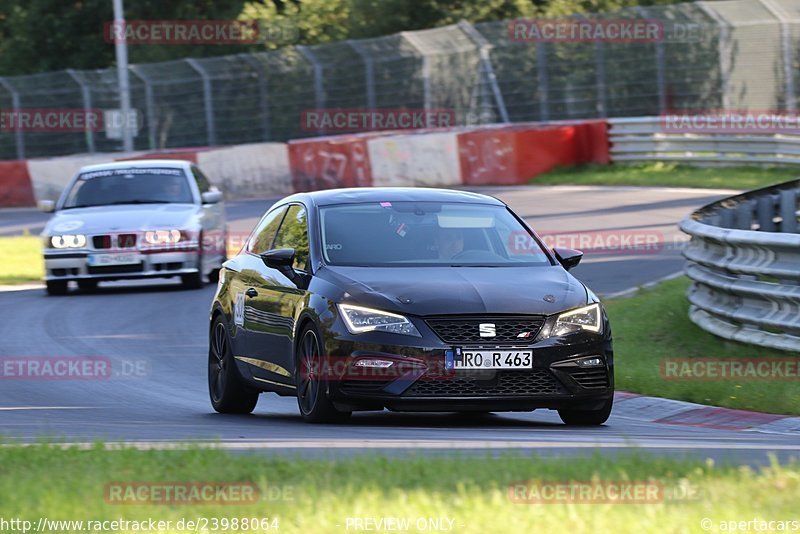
(467, 358)
(102, 260)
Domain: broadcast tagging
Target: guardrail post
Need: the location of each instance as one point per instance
(86, 92)
(263, 93)
(19, 139)
(150, 107)
(788, 211)
(484, 49)
(211, 129)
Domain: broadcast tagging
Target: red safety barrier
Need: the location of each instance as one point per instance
(16, 189)
(330, 162)
(515, 154)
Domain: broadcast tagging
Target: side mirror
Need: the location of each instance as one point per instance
(47, 206)
(211, 197)
(278, 258)
(567, 257)
(282, 259)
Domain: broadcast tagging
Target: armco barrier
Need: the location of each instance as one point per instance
(744, 262)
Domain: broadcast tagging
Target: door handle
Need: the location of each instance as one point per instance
(251, 293)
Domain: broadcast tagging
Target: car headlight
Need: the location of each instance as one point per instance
(68, 241)
(162, 237)
(359, 320)
(588, 318)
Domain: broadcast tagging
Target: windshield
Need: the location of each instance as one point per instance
(391, 234)
(129, 186)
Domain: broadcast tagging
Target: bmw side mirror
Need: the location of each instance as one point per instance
(47, 206)
(567, 257)
(211, 197)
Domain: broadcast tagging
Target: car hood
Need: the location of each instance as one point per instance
(458, 290)
(120, 218)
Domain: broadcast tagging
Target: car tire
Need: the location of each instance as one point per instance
(87, 285)
(192, 280)
(312, 400)
(587, 417)
(226, 388)
(56, 287)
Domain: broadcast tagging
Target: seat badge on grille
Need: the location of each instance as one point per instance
(487, 330)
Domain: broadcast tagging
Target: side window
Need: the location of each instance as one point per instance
(263, 235)
(202, 182)
(294, 234)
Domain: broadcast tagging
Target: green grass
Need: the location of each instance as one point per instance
(666, 174)
(654, 325)
(20, 260)
(317, 495)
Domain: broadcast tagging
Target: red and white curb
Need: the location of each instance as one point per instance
(674, 412)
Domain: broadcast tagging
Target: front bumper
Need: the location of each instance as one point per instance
(555, 381)
(72, 265)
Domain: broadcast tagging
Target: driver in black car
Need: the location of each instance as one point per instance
(449, 241)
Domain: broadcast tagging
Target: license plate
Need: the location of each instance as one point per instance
(493, 359)
(102, 260)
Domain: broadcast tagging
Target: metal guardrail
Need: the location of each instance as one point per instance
(642, 139)
(744, 263)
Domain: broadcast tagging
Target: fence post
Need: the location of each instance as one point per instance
(263, 93)
(788, 54)
(544, 81)
(369, 72)
(19, 140)
(149, 103)
(319, 92)
(725, 59)
(87, 107)
(426, 67)
(211, 129)
(486, 62)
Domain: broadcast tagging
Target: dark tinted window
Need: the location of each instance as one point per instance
(264, 234)
(202, 182)
(294, 234)
(426, 233)
(130, 186)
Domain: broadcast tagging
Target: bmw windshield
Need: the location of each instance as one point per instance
(393, 234)
(129, 186)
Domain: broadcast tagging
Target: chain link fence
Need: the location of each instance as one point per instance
(731, 54)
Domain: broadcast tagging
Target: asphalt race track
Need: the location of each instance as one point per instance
(154, 337)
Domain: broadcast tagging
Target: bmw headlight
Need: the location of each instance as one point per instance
(588, 318)
(162, 237)
(68, 241)
(359, 320)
